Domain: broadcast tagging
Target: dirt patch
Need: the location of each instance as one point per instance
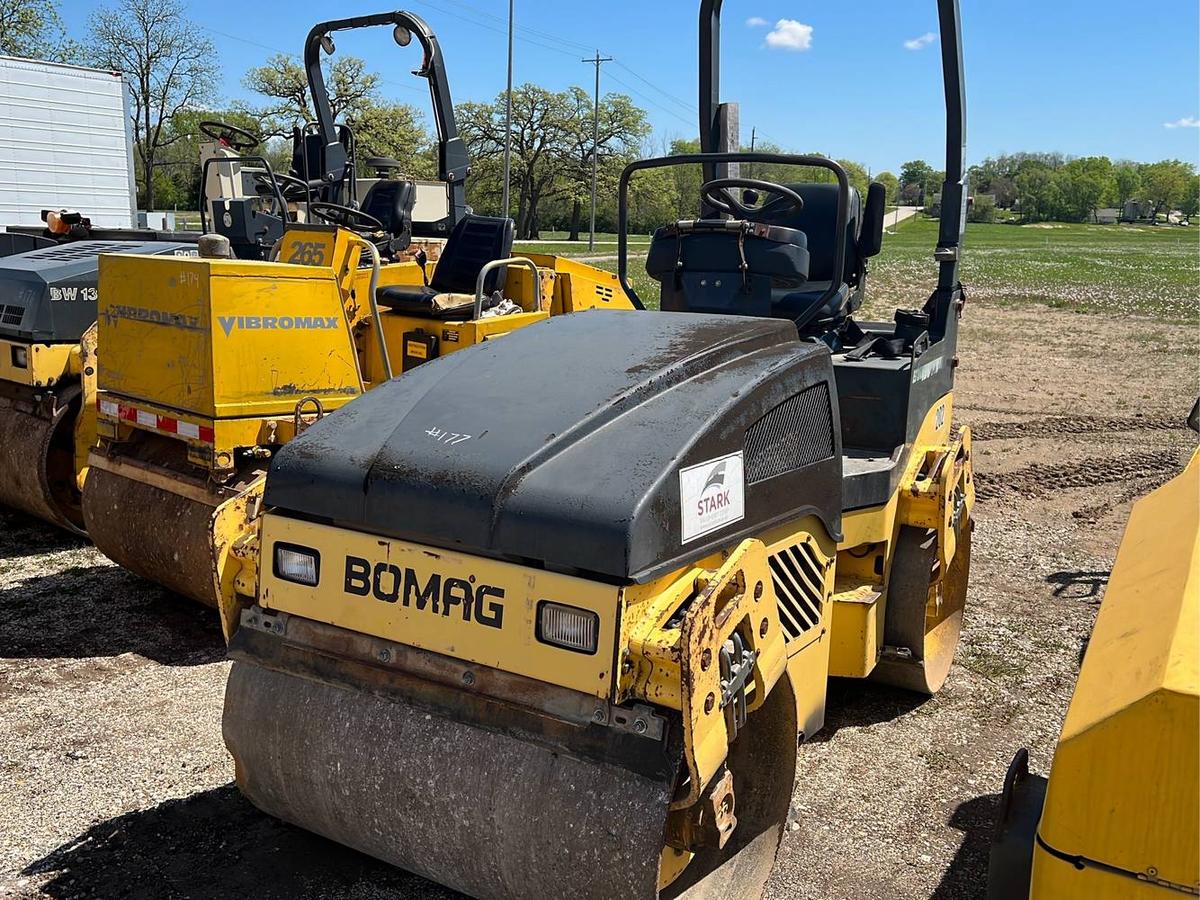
(115, 781)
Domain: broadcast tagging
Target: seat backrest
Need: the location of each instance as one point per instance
(818, 221)
(474, 242)
(391, 202)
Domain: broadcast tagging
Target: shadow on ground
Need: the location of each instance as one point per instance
(216, 845)
(1078, 585)
(22, 536)
(852, 703)
(966, 877)
(90, 611)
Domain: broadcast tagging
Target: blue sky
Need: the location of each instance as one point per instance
(1094, 77)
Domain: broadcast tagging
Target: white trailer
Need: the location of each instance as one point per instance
(65, 142)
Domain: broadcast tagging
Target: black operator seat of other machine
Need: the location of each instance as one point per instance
(474, 242)
(392, 202)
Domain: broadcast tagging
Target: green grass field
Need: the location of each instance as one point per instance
(1110, 269)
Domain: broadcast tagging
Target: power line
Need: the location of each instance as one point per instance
(687, 106)
(651, 101)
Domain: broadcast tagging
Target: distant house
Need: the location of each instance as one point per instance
(1107, 216)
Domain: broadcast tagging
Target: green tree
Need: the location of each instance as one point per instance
(1190, 205)
(1037, 192)
(917, 180)
(168, 65)
(1165, 184)
(621, 127)
(34, 29)
(1127, 181)
(551, 151)
(1086, 184)
(891, 186)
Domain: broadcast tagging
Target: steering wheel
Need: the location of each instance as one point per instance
(347, 216)
(291, 187)
(718, 194)
(236, 138)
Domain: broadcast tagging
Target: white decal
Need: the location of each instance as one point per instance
(711, 494)
(73, 294)
(442, 436)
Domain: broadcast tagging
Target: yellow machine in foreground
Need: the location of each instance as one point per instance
(211, 365)
(548, 616)
(1119, 818)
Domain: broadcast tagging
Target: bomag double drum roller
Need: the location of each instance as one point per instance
(546, 617)
(210, 365)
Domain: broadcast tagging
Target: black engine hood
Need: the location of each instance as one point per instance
(562, 444)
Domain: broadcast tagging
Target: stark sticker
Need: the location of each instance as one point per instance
(711, 494)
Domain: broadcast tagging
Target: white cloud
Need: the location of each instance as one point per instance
(920, 43)
(757, 22)
(1185, 122)
(788, 34)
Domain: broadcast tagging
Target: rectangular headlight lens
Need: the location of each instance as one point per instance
(20, 357)
(568, 627)
(300, 565)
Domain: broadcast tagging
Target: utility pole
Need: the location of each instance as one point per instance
(508, 117)
(753, 135)
(595, 141)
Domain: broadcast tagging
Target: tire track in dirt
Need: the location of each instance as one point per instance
(1040, 479)
(1048, 426)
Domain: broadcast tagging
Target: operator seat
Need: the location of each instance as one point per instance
(818, 220)
(728, 266)
(391, 202)
(474, 242)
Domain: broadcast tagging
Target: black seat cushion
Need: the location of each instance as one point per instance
(474, 242)
(429, 304)
(391, 202)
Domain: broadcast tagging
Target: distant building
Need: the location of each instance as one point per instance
(1137, 211)
(1107, 216)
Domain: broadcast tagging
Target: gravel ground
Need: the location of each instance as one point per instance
(114, 781)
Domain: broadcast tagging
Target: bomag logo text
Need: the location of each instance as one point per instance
(437, 593)
(284, 323)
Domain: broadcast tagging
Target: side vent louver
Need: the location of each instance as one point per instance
(795, 434)
(11, 315)
(798, 575)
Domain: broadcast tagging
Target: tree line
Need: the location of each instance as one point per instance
(1043, 186)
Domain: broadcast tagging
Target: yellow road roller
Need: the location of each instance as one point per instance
(1119, 816)
(547, 617)
(211, 364)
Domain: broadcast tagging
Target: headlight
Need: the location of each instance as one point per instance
(20, 357)
(568, 627)
(300, 565)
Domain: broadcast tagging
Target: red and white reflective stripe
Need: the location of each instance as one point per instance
(147, 419)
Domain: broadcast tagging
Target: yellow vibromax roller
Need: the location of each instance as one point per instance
(547, 617)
